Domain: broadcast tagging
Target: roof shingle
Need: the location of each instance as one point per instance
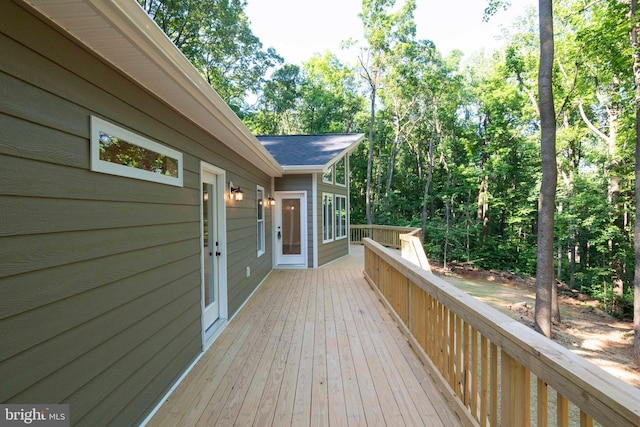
(309, 150)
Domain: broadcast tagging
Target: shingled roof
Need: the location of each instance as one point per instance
(312, 153)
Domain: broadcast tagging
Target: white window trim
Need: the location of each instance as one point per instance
(346, 225)
(331, 214)
(260, 238)
(344, 160)
(98, 165)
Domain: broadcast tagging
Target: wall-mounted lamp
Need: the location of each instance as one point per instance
(272, 201)
(235, 192)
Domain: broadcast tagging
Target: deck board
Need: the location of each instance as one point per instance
(311, 347)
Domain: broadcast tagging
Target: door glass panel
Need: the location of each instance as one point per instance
(209, 244)
(291, 244)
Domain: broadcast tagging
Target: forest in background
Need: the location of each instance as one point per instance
(453, 143)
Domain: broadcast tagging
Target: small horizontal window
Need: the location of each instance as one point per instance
(117, 151)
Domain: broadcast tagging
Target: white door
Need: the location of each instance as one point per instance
(291, 228)
(212, 247)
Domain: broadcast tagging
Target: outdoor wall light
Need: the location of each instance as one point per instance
(235, 192)
(272, 201)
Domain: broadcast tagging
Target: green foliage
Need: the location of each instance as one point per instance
(455, 144)
(215, 36)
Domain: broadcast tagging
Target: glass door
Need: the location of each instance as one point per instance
(291, 233)
(211, 250)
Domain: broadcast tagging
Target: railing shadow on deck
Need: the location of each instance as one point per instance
(496, 370)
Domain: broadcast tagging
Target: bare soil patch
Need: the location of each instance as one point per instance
(585, 329)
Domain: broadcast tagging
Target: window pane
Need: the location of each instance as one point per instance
(341, 172)
(260, 237)
(260, 204)
(341, 216)
(327, 217)
(291, 232)
(328, 176)
(121, 152)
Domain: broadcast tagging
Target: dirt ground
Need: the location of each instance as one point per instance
(585, 329)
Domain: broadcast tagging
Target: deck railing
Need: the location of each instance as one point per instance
(386, 235)
(497, 371)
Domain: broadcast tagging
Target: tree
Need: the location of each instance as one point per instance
(383, 30)
(215, 36)
(635, 46)
(546, 204)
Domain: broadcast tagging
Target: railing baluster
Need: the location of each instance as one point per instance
(484, 380)
(542, 396)
(459, 369)
(474, 373)
(493, 384)
(465, 364)
(514, 391)
(451, 349)
(585, 420)
(562, 409)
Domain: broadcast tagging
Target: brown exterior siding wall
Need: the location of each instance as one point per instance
(100, 274)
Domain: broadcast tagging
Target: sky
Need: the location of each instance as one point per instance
(298, 29)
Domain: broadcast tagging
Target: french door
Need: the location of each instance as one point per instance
(213, 248)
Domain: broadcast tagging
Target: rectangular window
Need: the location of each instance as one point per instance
(260, 215)
(117, 151)
(341, 172)
(341, 217)
(328, 176)
(327, 217)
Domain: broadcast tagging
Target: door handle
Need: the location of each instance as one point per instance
(279, 235)
(218, 253)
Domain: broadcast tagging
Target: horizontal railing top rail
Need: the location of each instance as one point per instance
(386, 235)
(485, 358)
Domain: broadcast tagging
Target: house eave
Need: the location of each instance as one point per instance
(301, 169)
(123, 35)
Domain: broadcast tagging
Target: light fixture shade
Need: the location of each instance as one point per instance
(235, 192)
(272, 201)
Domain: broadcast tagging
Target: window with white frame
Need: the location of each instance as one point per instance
(260, 216)
(118, 151)
(341, 216)
(340, 172)
(328, 176)
(327, 217)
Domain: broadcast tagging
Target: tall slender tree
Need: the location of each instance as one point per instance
(546, 204)
(635, 46)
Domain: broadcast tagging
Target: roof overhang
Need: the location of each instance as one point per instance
(122, 34)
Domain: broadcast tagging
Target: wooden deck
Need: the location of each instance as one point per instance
(311, 347)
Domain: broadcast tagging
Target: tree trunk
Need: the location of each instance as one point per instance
(635, 45)
(546, 202)
(370, 158)
(427, 185)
